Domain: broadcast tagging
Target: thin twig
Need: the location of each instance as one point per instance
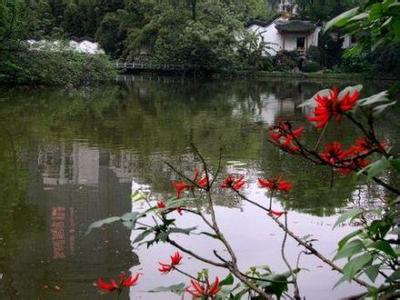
(296, 287)
(303, 243)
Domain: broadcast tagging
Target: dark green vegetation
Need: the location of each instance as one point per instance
(19, 65)
(197, 34)
(376, 26)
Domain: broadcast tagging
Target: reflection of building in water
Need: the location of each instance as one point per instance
(267, 109)
(69, 164)
(76, 185)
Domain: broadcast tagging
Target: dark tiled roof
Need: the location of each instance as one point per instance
(295, 26)
(262, 23)
(258, 23)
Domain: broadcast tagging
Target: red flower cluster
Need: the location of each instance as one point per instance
(275, 184)
(175, 260)
(283, 136)
(332, 107)
(205, 290)
(181, 186)
(232, 182)
(346, 161)
(124, 281)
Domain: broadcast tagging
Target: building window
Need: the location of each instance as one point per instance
(300, 42)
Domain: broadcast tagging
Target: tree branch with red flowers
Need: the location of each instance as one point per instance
(368, 250)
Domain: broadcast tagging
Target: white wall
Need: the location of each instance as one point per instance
(272, 36)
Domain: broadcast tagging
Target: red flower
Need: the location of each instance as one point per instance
(346, 161)
(129, 280)
(175, 260)
(161, 204)
(231, 182)
(180, 186)
(333, 153)
(283, 136)
(276, 184)
(203, 182)
(179, 210)
(275, 213)
(332, 107)
(204, 290)
(105, 286)
(124, 281)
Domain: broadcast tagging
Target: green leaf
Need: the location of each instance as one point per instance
(349, 249)
(129, 219)
(182, 230)
(100, 223)
(137, 196)
(355, 265)
(375, 168)
(239, 295)
(344, 240)
(379, 228)
(175, 288)
(142, 236)
(395, 163)
(372, 272)
(377, 98)
(277, 287)
(161, 236)
(339, 282)
(348, 215)
(380, 108)
(341, 19)
(360, 16)
(375, 11)
(228, 280)
(395, 275)
(385, 247)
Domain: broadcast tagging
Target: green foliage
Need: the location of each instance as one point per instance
(58, 68)
(322, 9)
(178, 288)
(376, 24)
(356, 61)
(310, 66)
(287, 60)
(199, 34)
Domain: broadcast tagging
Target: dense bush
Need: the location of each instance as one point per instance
(287, 60)
(387, 59)
(356, 62)
(54, 68)
(314, 54)
(311, 66)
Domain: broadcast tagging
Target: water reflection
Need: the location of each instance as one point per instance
(69, 158)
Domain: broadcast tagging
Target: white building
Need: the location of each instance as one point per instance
(283, 34)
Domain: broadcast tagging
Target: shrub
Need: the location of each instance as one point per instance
(387, 59)
(314, 54)
(287, 60)
(55, 68)
(311, 66)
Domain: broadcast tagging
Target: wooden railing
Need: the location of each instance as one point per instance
(148, 66)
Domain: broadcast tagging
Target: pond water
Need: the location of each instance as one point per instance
(68, 158)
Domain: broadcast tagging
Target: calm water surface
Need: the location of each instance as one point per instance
(68, 158)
